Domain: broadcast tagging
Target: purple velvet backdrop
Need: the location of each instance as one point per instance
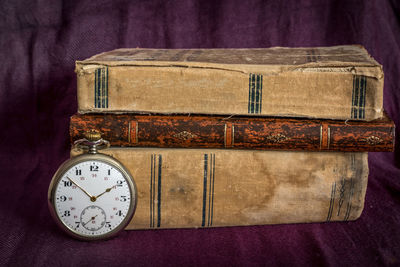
(40, 40)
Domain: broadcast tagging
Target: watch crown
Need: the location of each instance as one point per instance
(92, 135)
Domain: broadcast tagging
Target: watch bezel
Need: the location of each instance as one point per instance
(67, 165)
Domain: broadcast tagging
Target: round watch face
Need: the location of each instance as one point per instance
(92, 197)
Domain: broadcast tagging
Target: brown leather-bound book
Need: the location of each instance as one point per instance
(180, 131)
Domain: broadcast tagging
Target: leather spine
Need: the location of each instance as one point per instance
(162, 131)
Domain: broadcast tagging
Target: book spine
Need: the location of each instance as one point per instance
(241, 133)
(181, 188)
(253, 90)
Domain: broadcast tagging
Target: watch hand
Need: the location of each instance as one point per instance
(107, 190)
(92, 198)
(91, 219)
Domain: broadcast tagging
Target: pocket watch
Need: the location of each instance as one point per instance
(92, 196)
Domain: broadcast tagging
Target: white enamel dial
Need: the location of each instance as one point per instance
(92, 197)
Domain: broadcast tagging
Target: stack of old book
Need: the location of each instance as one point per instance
(227, 137)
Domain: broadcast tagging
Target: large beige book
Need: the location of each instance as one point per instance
(181, 188)
(340, 82)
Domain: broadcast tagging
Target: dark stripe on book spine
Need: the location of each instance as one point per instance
(261, 87)
(358, 97)
(211, 190)
(342, 190)
(208, 185)
(255, 93)
(212, 195)
(95, 91)
(203, 215)
(332, 202)
(152, 191)
(101, 88)
(159, 191)
(96, 86)
(249, 102)
(253, 85)
(354, 98)
(362, 97)
(103, 81)
(106, 90)
(155, 212)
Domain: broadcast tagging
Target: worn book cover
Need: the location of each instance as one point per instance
(237, 132)
(340, 82)
(181, 188)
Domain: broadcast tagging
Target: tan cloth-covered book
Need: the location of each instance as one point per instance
(340, 82)
(184, 188)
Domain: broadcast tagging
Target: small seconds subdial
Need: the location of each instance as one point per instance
(93, 218)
